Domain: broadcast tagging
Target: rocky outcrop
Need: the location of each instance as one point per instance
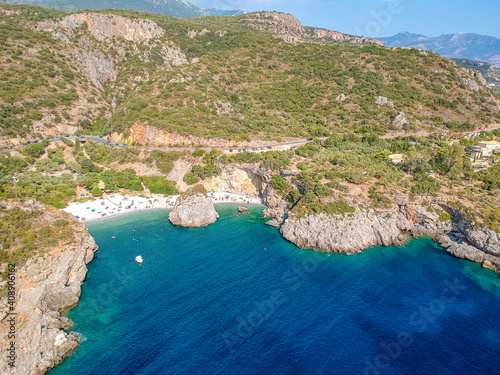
(472, 85)
(153, 136)
(472, 242)
(106, 27)
(382, 100)
(193, 209)
(348, 234)
(341, 97)
(400, 121)
(48, 283)
(236, 179)
(291, 30)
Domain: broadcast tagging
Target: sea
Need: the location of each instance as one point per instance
(236, 298)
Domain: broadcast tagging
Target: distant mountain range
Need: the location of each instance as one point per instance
(174, 8)
(460, 45)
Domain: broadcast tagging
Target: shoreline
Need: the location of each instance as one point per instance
(115, 205)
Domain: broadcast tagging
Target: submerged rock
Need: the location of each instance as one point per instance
(242, 209)
(193, 209)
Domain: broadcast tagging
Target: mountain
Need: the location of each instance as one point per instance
(255, 76)
(220, 12)
(459, 45)
(174, 8)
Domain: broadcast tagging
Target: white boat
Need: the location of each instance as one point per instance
(138, 259)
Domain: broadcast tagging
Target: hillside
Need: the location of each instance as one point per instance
(252, 76)
(490, 72)
(459, 45)
(174, 8)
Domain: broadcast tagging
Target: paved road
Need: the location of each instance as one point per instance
(264, 148)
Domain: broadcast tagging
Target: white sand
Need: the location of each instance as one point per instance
(114, 205)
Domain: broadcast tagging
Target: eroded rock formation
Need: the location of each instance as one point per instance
(193, 209)
(48, 283)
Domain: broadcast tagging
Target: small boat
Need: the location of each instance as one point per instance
(138, 259)
(113, 237)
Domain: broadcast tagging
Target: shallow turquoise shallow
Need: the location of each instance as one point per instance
(236, 298)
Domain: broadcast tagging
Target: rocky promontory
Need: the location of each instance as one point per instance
(193, 209)
(49, 282)
(365, 227)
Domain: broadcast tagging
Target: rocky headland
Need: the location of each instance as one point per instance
(48, 283)
(351, 233)
(193, 209)
(369, 226)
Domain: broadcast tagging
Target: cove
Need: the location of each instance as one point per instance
(236, 298)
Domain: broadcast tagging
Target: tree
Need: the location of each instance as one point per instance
(487, 213)
(496, 215)
(96, 192)
(279, 183)
(87, 165)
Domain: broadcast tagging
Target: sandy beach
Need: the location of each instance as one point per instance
(114, 205)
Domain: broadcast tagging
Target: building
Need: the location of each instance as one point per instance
(396, 158)
(492, 145)
(476, 153)
(488, 147)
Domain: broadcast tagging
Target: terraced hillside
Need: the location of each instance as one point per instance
(245, 77)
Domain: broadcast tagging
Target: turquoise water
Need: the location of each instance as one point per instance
(235, 298)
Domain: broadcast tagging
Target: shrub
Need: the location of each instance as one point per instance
(444, 217)
(190, 179)
(279, 183)
(96, 192)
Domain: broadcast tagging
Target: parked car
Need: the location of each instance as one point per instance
(310, 139)
(230, 150)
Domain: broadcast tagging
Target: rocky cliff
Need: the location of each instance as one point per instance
(48, 283)
(351, 233)
(292, 31)
(152, 136)
(236, 179)
(193, 209)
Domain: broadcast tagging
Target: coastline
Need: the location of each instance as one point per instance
(114, 205)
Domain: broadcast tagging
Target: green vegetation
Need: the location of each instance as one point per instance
(246, 84)
(23, 233)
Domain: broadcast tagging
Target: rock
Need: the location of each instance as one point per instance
(224, 108)
(290, 29)
(274, 223)
(400, 120)
(290, 39)
(46, 285)
(242, 209)
(351, 233)
(193, 209)
(382, 100)
(106, 27)
(472, 85)
(341, 97)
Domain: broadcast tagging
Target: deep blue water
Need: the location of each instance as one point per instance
(236, 298)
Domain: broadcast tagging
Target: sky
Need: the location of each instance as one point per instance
(379, 18)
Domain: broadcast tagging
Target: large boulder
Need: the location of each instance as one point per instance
(193, 209)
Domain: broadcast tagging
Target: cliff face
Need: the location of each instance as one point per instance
(95, 33)
(193, 209)
(48, 283)
(292, 31)
(353, 233)
(236, 179)
(152, 136)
